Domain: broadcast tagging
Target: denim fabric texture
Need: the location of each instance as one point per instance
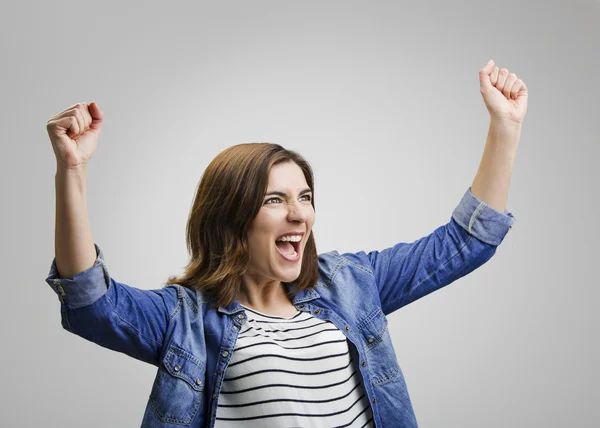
(173, 328)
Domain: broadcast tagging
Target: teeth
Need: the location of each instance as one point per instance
(296, 238)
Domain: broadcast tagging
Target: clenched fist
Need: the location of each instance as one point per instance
(74, 134)
(504, 94)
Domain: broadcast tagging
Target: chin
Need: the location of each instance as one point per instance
(290, 277)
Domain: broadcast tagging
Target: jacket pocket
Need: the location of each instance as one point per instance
(373, 328)
(379, 351)
(177, 391)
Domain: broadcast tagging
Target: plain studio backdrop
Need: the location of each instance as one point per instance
(383, 100)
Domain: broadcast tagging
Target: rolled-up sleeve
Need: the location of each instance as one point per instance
(114, 315)
(406, 272)
(482, 220)
(82, 289)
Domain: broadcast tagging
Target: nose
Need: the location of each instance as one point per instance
(296, 213)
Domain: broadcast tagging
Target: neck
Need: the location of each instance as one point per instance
(264, 296)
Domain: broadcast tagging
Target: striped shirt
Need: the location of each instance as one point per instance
(292, 372)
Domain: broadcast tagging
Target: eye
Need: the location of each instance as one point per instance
(270, 199)
(279, 199)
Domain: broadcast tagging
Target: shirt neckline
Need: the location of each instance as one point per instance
(269, 315)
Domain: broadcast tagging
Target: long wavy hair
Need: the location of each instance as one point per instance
(228, 198)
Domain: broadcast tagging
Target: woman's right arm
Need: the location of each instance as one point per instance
(94, 306)
(73, 242)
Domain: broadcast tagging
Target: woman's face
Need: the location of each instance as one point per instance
(278, 215)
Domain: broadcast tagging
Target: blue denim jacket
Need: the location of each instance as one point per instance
(174, 329)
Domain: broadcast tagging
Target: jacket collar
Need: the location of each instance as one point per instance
(302, 296)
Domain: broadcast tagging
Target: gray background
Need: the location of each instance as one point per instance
(383, 99)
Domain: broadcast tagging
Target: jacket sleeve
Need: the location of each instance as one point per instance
(408, 271)
(114, 315)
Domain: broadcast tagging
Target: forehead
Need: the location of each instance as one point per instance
(286, 175)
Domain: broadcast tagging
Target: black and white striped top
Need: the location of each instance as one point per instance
(292, 372)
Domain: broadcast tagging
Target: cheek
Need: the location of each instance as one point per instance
(262, 244)
(311, 222)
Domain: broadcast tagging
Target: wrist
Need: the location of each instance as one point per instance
(63, 169)
(506, 123)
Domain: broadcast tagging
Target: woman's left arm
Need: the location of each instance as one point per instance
(407, 272)
(505, 96)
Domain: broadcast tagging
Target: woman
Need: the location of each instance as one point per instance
(261, 330)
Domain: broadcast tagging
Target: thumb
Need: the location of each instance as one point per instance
(484, 76)
(97, 116)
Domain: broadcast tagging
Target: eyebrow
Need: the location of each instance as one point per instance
(275, 192)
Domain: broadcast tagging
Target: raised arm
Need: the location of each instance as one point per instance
(73, 242)
(408, 271)
(93, 305)
(505, 97)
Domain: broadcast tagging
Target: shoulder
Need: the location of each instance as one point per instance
(332, 263)
(347, 280)
(185, 298)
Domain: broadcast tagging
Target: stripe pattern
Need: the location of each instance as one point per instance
(292, 372)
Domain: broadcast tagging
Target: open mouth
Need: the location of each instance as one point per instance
(289, 250)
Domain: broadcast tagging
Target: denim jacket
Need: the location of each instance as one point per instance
(174, 329)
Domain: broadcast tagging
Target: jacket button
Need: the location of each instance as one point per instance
(215, 395)
(225, 353)
(371, 339)
(300, 306)
(177, 368)
(347, 328)
(198, 381)
(317, 311)
(364, 363)
(240, 316)
(373, 401)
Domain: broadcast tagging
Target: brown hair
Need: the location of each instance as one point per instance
(228, 198)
